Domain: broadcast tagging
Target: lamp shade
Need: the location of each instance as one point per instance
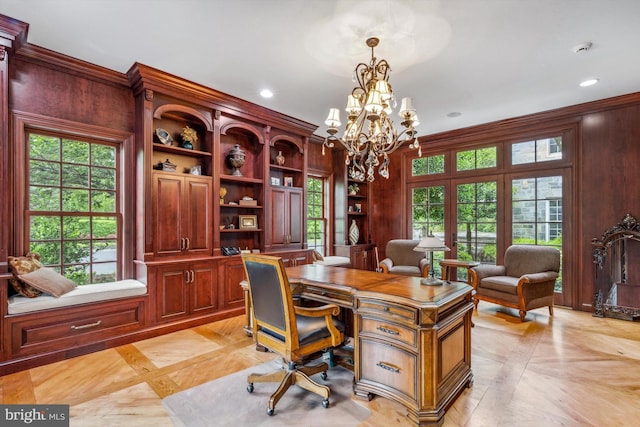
(333, 120)
(353, 105)
(406, 107)
(431, 244)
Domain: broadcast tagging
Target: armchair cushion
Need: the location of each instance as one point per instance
(504, 284)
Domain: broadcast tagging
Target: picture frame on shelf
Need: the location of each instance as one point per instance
(288, 181)
(196, 170)
(275, 181)
(247, 222)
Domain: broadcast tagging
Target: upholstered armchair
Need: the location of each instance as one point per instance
(402, 259)
(298, 334)
(525, 281)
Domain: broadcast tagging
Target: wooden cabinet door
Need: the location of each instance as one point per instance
(182, 212)
(167, 212)
(172, 292)
(287, 222)
(295, 214)
(197, 215)
(201, 287)
(278, 216)
(231, 274)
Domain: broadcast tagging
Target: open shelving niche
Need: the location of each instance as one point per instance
(173, 118)
(249, 184)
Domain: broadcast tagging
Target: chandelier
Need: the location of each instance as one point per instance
(369, 135)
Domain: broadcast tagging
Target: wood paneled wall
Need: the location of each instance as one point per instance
(607, 154)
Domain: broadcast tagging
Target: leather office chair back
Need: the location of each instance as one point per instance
(266, 295)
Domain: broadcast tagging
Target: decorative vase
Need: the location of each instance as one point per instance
(280, 159)
(188, 145)
(236, 159)
(354, 232)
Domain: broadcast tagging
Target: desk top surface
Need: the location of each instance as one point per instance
(388, 287)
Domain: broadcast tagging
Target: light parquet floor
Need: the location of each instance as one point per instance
(568, 370)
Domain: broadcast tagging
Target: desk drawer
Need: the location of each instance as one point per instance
(66, 328)
(388, 366)
(316, 293)
(389, 310)
(389, 331)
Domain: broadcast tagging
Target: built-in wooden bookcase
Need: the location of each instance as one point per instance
(242, 209)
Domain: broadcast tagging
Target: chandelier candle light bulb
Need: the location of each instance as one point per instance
(370, 134)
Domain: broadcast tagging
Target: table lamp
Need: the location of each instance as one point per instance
(431, 244)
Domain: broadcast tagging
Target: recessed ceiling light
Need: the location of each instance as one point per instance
(454, 114)
(589, 82)
(266, 93)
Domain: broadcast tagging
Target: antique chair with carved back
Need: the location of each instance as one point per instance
(298, 334)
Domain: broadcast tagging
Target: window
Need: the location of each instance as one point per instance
(537, 210)
(427, 207)
(476, 159)
(316, 218)
(537, 213)
(427, 165)
(73, 213)
(477, 225)
(539, 150)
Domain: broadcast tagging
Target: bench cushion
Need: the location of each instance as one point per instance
(80, 295)
(334, 260)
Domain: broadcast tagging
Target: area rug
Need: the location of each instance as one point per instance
(226, 402)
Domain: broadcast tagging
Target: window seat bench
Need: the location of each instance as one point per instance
(18, 304)
(337, 261)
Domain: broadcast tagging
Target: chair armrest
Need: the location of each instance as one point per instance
(386, 264)
(539, 277)
(327, 311)
(424, 267)
(486, 270)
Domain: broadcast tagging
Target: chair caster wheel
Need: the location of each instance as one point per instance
(250, 388)
(325, 403)
(324, 376)
(270, 411)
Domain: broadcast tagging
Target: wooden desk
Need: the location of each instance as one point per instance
(412, 342)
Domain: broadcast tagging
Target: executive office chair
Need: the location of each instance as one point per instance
(298, 334)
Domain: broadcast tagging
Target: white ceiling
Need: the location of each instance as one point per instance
(486, 59)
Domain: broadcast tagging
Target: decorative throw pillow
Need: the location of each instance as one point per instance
(22, 265)
(48, 281)
(317, 256)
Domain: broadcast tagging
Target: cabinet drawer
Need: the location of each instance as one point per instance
(55, 329)
(388, 310)
(389, 366)
(389, 331)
